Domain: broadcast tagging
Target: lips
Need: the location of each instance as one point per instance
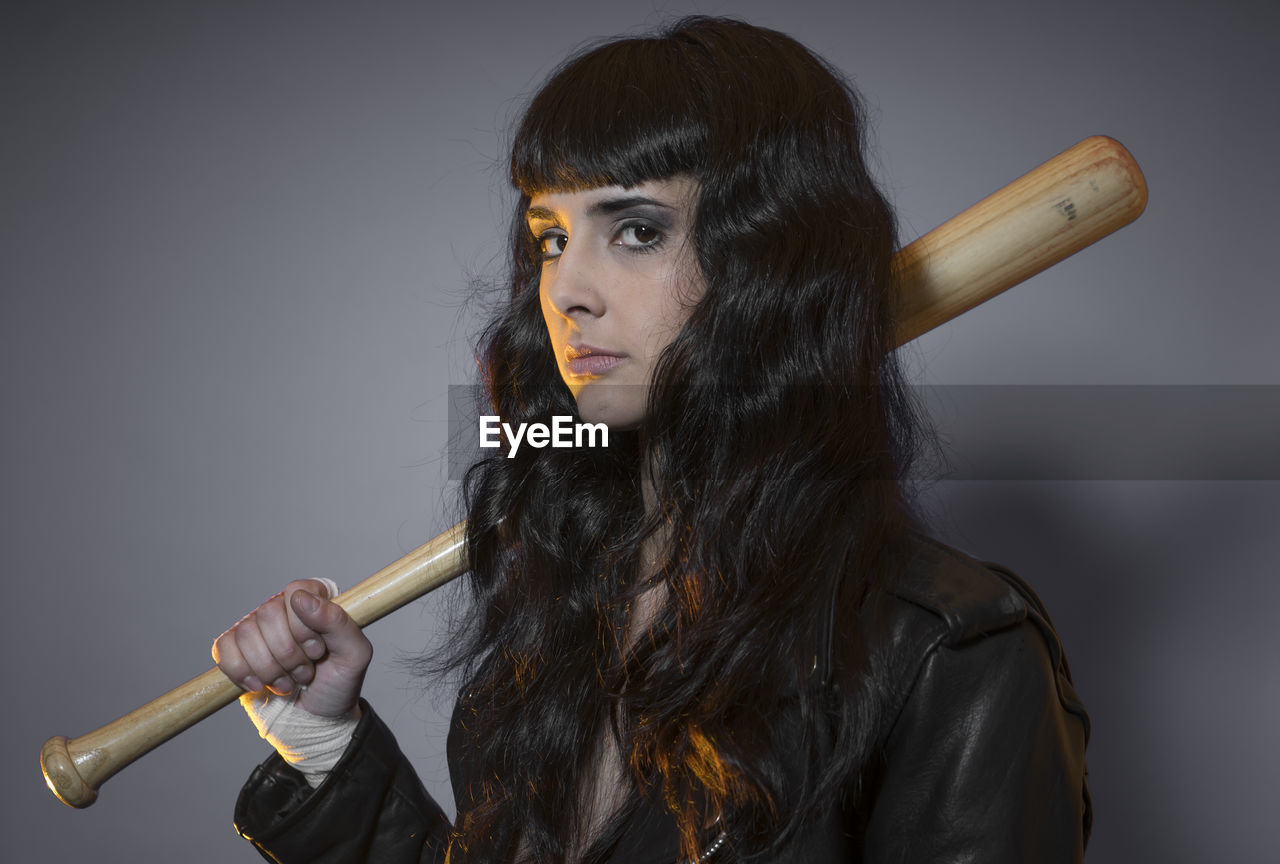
(590, 360)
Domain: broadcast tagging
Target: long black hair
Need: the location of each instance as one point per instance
(779, 435)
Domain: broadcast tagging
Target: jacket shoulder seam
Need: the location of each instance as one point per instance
(969, 596)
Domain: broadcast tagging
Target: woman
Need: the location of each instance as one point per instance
(722, 636)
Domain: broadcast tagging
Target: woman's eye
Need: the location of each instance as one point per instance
(552, 245)
(638, 235)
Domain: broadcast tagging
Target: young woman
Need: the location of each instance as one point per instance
(723, 636)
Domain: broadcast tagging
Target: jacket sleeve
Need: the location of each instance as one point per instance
(371, 807)
(985, 762)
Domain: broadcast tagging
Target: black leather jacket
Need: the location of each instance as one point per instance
(983, 760)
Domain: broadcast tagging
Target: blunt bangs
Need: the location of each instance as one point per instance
(618, 115)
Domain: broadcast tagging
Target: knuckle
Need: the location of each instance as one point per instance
(226, 648)
(262, 664)
(225, 661)
(270, 613)
(291, 656)
(268, 670)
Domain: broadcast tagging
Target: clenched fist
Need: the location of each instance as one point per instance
(298, 637)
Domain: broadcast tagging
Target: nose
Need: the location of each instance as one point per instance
(571, 283)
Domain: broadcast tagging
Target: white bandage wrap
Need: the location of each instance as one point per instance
(309, 742)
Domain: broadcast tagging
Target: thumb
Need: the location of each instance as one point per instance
(330, 587)
(329, 620)
(339, 673)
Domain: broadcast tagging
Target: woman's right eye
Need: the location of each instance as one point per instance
(551, 245)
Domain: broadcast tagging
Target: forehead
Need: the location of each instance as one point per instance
(677, 193)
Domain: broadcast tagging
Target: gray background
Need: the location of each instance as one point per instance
(235, 242)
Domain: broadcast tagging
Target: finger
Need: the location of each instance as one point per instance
(253, 647)
(273, 622)
(226, 653)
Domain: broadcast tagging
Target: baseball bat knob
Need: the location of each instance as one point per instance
(62, 776)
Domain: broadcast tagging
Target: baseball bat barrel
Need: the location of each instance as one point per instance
(1051, 212)
(1076, 198)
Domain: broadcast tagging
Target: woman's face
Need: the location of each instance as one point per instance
(619, 276)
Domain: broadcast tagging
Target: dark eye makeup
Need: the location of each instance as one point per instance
(640, 225)
(639, 236)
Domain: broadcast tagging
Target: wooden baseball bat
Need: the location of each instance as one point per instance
(1076, 198)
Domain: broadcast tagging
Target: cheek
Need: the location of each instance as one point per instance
(550, 318)
(544, 305)
(553, 326)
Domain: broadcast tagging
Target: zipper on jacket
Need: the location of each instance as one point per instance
(711, 848)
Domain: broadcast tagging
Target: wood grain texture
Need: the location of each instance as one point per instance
(1075, 199)
(74, 769)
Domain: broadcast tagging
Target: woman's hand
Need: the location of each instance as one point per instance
(298, 637)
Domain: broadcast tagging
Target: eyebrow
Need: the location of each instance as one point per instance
(604, 207)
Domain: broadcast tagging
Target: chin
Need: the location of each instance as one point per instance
(617, 410)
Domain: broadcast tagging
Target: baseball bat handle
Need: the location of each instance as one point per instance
(75, 768)
(1076, 198)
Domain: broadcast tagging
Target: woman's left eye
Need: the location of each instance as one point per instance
(551, 245)
(638, 235)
